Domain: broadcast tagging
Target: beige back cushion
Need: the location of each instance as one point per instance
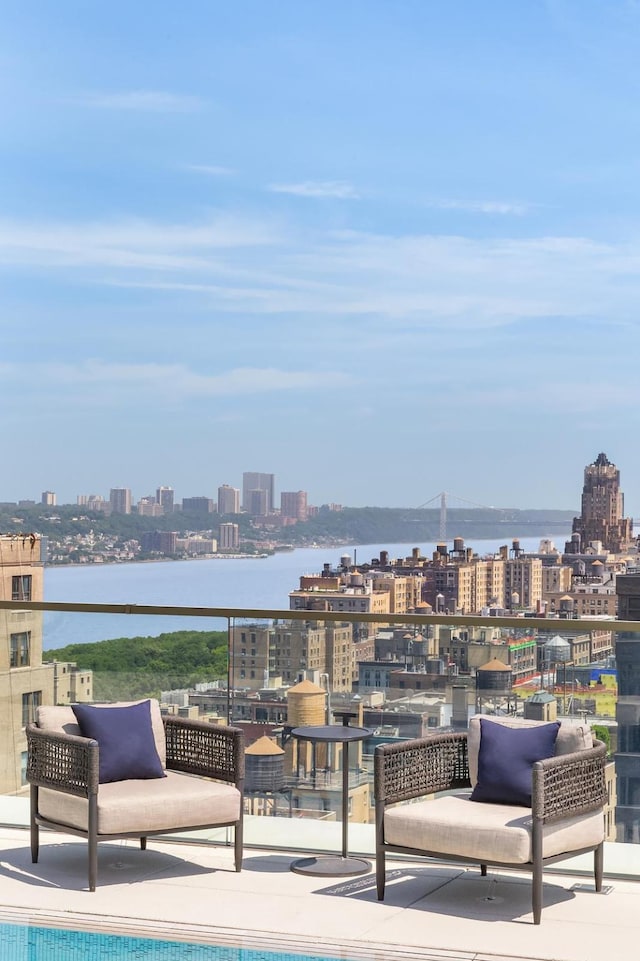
(571, 737)
(63, 720)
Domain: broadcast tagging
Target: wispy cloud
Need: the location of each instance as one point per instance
(210, 170)
(258, 267)
(482, 206)
(151, 101)
(569, 397)
(177, 381)
(318, 188)
(131, 244)
(423, 281)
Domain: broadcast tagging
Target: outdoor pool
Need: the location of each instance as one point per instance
(20, 942)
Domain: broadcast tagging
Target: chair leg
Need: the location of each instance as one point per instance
(143, 844)
(33, 825)
(380, 852)
(536, 882)
(238, 841)
(93, 863)
(380, 873)
(92, 841)
(598, 865)
(536, 892)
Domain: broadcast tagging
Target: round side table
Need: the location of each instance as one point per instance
(334, 865)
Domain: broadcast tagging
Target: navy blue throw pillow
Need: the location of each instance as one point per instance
(505, 760)
(125, 738)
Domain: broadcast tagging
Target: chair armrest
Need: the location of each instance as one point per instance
(409, 769)
(63, 762)
(570, 784)
(212, 750)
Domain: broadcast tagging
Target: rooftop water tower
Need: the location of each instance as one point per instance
(306, 707)
(264, 774)
(494, 682)
(557, 651)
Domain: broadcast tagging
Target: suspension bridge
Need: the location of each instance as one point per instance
(443, 498)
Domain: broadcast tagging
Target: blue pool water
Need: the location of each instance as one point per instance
(27, 943)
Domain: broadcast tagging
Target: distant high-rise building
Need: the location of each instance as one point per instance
(257, 502)
(93, 502)
(627, 756)
(228, 500)
(289, 647)
(252, 481)
(25, 681)
(294, 504)
(203, 505)
(602, 516)
(522, 582)
(229, 536)
(164, 542)
(96, 502)
(120, 500)
(49, 498)
(164, 497)
(149, 507)
(196, 544)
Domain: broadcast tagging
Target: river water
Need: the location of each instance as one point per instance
(252, 582)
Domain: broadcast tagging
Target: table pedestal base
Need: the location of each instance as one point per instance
(331, 866)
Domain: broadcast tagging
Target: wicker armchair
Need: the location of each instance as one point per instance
(565, 817)
(66, 796)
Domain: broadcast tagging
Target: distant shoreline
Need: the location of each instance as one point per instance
(334, 545)
(156, 560)
(109, 562)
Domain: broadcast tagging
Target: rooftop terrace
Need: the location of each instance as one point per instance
(189, 891)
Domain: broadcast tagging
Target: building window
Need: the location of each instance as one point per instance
(21, 587)
(20, 649)
(30, 701)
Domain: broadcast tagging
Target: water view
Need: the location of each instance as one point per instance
(253, 582)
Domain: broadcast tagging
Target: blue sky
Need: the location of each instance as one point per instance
(380, 249)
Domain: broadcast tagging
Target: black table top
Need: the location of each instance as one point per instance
(330, 732)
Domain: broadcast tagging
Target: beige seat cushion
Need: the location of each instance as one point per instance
(177, 801)
(62, 720)
(454, 825)
(571, 737)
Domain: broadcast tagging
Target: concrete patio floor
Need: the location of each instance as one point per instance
(189, 891)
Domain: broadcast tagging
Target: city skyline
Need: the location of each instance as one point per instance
(381, 250)
(602, 514)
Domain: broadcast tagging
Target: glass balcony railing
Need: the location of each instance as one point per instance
(273, 671)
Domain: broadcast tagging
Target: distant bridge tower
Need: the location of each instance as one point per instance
(443, 517)
(442, 496)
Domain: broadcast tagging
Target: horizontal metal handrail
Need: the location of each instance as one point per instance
(462, 620)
